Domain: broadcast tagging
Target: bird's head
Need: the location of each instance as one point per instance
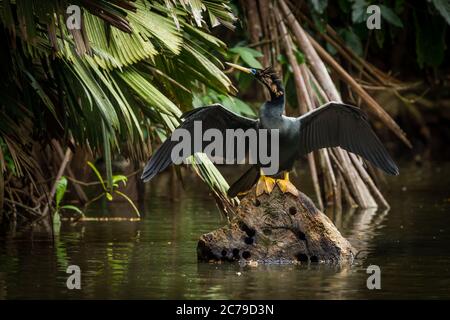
(266, 76)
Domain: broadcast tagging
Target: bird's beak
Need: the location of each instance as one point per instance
(241, 68)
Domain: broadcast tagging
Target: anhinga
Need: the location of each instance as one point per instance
(331, 125)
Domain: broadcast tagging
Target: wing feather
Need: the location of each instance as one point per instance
(345, 126)
(213, 116)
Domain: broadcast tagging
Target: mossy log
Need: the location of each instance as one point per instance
(276, 228)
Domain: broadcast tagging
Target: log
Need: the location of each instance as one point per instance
(276, 228)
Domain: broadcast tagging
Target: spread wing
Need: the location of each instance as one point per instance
(345, 126)
(213, 116)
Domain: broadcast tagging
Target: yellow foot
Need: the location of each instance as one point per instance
(265, 184)
(286, 186)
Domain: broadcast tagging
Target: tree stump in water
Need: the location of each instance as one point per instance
(276, 228)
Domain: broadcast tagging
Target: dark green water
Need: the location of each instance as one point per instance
(156, 257)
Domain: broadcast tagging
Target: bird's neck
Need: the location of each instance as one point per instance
(274, 107)
(278, 101)
(277, 98)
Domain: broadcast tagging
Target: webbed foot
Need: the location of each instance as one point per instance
(286, 186)
(265, 185)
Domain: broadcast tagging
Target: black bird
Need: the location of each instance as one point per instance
(331, 125)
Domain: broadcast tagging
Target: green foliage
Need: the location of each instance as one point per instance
(430, 23)
(131, 69)
(359, 11)
(61, 188)
(248, 55)
(237, 105)
(352, 40)
(389, 15)
(109, 192)
(232, 103)
(6, 160)
(97, 174)
(443, 6)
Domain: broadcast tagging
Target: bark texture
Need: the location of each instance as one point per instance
(276, 228)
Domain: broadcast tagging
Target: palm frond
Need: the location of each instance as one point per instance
(131, 69)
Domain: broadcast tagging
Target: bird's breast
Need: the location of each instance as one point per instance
(271, 123)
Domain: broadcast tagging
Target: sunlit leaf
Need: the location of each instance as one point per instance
(120, 178)
(61, 187)
(97, 173)
(237, 105)
(133, 67)
(248, 55)
(109, 196)
(72, 208)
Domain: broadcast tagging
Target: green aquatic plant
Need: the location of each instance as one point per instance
(61, 189)
(110, 191)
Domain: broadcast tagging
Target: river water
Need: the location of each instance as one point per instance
(155, 258)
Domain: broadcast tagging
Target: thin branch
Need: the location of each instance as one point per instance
(33, 211)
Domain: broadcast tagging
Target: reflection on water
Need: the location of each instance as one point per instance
(156, 257)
